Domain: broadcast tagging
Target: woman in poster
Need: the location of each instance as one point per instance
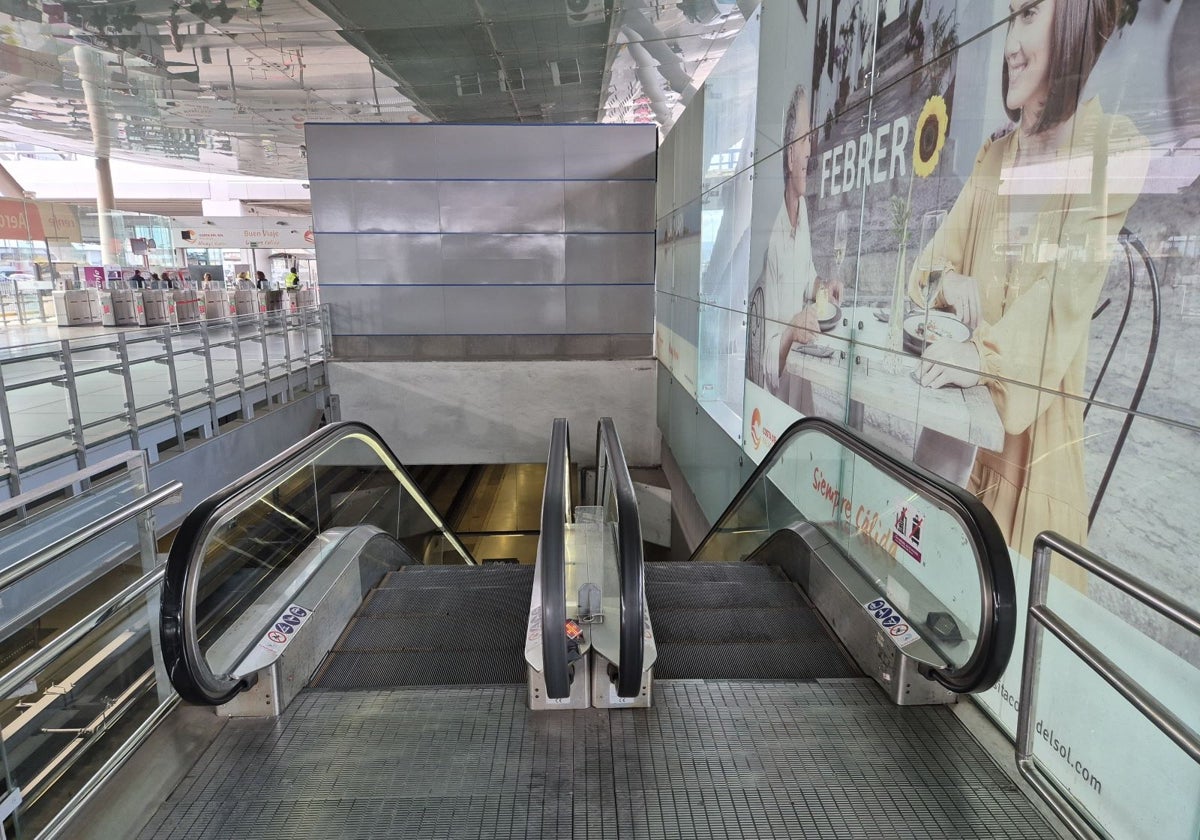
(1022, 257)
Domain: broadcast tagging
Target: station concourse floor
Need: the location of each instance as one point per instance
(39, 409)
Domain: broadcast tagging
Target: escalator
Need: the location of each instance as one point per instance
(335, 529)
(836, 559)
(737, 620)
(409, 630)
(793, 680)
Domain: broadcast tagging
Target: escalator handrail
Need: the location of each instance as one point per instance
(998, 620)
(631, 562)
(186, 666)
(551, 562)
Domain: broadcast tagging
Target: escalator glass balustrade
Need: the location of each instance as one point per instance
(910, 571)
(250, 563)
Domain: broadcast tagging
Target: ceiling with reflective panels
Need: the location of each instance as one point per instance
(227, 85)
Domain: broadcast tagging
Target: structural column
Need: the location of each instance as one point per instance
(90, 69)
(105, 205)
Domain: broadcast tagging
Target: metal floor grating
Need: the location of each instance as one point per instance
(828, 759)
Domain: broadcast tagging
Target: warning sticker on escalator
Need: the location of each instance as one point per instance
(894, 624)
(284, 628)
(906, 530)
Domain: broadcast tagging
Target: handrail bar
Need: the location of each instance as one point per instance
(551, 561)
(1041, 618)
(997, 630)
(50, 488)
(31, 667)
(631, 562)
(45, 556)
(186, 666)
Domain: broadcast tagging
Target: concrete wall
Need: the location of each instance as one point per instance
(499, 412)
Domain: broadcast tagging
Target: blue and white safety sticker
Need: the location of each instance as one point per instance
(892, 622)
(284, 628)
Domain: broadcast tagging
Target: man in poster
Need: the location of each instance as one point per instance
(789, 277)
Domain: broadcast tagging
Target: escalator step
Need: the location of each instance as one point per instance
(429, 632)
(497, 575)
(749, 661)
(485, 604)
(754, 624)
(358, 670)
(717, 595)
(698, 572)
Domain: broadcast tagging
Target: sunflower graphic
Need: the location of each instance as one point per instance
(931, 136)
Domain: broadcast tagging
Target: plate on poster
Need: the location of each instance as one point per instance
(921, 329)
(828, 315)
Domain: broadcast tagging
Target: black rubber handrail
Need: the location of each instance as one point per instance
(551, 560)
(998, 621)
(631, 563)
(186, 666)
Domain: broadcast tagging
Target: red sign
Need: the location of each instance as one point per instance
(20, 220)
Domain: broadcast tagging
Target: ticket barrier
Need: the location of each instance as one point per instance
(107, 316)
(78, 307)
(159, 305)
(218, 305)
(189, 305)
(305, 298)
(249, 301)
(127, 308)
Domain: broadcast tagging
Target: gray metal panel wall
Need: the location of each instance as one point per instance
(485, 230)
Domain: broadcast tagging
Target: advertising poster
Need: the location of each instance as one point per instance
(973, 240)
(780, 245)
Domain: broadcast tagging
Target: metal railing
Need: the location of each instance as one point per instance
(210, 373)
(27, 306)
(90, 648)
(1042, 618)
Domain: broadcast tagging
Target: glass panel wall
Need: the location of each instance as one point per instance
(972, 237)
